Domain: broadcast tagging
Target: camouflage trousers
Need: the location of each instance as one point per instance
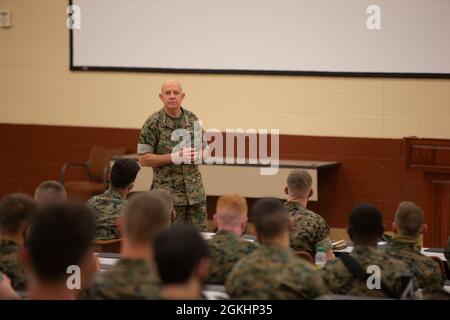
(195, 214)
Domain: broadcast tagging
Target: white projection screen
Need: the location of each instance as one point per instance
(264, 36)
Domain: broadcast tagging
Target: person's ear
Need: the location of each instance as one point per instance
(203, 269)
(290, 224)
(286, 190)
(394, 227)
(244, 225)
(120, 225)
(161, 97)
(130, 187)
(423, 229)
(311, 193)
(24, 259)
(26, 232)
(182, 96)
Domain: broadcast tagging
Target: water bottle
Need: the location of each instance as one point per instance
(320, 258)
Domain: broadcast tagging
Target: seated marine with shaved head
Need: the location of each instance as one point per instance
(227, 247)
(408, 226)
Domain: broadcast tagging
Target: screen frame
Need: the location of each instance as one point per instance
(72, 67)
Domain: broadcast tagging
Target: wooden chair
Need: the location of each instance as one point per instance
(109, 246)
(97, 169)
(441, 265)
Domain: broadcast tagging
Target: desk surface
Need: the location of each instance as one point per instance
(304, 164)
(107, 260)
(423, 251)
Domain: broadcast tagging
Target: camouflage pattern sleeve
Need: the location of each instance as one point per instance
(226, 249)
(106, 208)
(332, 278)
(129, 279)
(316, 286)
(323, 235)
(148, 138)
(9, 264)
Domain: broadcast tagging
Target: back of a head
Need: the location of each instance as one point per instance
(16, 210)
(60, 236)
(409, 218)
(231, 209)
(145, 216)
(166, 196)
(365, 223)
(123, 173)
(178, 251)
(50, 192)
(270, 218)
(299, 183)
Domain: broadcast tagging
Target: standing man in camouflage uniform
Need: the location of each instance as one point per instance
(16, 212)
(272, 271)
(365, 228)
(309, 229)
(408, 225)
(107, 207)
(157, 150)
(134, 276)
(226, 247)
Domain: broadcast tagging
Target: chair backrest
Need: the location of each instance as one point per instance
(99, 160)
(110, 246)
(305, 255)
(441, 265)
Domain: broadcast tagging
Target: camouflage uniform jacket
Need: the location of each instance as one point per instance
(225, 249)
(184, 181)
(107, 207)
(271, 272)
(9, 264)
(425, 270)
(128, 279)
(340, 281)
(309, 229)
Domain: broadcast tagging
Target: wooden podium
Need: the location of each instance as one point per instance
(432, 157)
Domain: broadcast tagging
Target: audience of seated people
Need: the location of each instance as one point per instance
(162, 262)
(407, 227)
(16, 211)
(134, 276)
(272, 271)
(226, 247)
(107, 207)
(181, 256)
(309, 230)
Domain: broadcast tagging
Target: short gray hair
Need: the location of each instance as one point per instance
(299, 182)
(50, 192)
(409, 218)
